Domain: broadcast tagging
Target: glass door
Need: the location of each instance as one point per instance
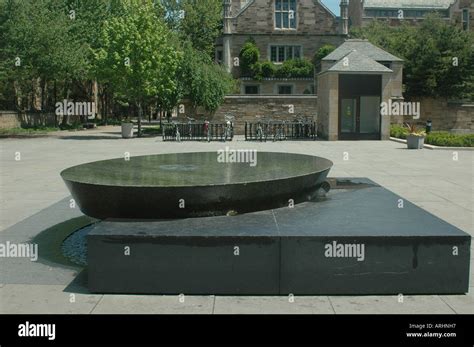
(348, 116)
(369, 115)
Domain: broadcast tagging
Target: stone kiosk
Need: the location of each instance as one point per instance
(354, 80)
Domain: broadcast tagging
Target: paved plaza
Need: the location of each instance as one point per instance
(34, 198)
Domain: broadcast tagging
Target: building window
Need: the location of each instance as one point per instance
(252, 89)
(219, 56)
(279, 54)
(285, 89)
(285, 14)
(465, 19)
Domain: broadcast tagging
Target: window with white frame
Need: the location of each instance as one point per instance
(285, 14)
(279, 54)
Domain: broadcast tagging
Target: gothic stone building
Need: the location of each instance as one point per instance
(282, 29)
(394, 12)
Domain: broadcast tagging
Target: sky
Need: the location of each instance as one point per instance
(333, 5)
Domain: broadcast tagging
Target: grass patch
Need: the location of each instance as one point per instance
(437, 138)
(27, 131)
(152, 131)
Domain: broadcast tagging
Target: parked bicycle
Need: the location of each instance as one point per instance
(207, 130)
(279, 131)
(229, 127)
(177, 134)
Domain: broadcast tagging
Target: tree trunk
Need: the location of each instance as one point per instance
(55, 98)
(36, 94)
(139, 119)
(65, 119)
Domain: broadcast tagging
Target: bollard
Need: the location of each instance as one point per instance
(429, 126)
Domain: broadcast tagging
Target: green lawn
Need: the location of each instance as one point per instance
(27, 131)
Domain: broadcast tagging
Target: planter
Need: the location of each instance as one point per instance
(415, 141)
(127, 130)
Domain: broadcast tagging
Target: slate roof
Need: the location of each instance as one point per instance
(363, 46)
(406, 4)
(357, 62)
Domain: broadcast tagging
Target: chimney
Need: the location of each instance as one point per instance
(344, 17)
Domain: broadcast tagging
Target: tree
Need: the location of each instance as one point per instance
(136, 56)
(202, 24)
(438, 56)
(249, 57)
(320, 54)
(204, 82)
(38, 47)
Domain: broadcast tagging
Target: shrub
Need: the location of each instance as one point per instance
(295, 68)
(445, 139)
(437, 138)
(268, 69)
(249, 56)
(320, 54)
(398, 131)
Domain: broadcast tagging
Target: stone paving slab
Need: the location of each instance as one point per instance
(429, 179)
(419, 304)
(44, 299)
(154, 304)
(273, 305)
(462, 304)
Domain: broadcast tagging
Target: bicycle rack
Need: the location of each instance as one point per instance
(195, 131)
(284, 130)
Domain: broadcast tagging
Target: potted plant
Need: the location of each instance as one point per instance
(415, 137)
(127, 128)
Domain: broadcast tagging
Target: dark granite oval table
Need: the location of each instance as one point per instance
(183, 185)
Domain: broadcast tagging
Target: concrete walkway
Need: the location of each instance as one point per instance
(34, 198)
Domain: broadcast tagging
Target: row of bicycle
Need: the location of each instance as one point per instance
(254, 131)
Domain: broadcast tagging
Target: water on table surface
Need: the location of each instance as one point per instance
(194, 169)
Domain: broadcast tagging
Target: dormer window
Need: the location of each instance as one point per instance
(285, 14)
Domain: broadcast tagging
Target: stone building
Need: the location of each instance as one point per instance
(282, 30)
(354, 81)
(394, 12)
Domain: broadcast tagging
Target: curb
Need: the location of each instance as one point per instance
(435, 148)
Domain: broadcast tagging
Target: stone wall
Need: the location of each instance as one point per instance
(245, 108)
(9, 119)
(311, 18)
(457, 117)
(13, 119)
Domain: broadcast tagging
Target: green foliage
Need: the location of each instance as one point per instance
(251, 66)
(431, 51)
(295, 68)
(445, 139)
(202, 23)
(136, 57)
(268, 69)
(398, 132)
(37, 42)
(320, 54)
(249, 57)
(204, 82)
(436, 138)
